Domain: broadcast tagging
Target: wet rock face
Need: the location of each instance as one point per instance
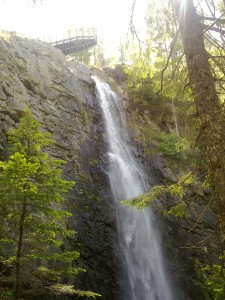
(61, 95)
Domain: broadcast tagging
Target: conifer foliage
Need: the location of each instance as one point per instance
(32, 221)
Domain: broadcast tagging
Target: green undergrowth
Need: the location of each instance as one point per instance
(211, 279)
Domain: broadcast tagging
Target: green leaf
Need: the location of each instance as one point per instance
(179, 210)
(69, 290)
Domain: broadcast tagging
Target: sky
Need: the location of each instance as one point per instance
(53, 18)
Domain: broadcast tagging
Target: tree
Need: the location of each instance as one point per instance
(83, 56)
(32, 219)
(190, 56)
(209, 108)
(99, 60)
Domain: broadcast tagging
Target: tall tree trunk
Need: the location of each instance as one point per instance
(212, 129)
(19, 252)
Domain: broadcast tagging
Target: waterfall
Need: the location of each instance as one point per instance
(139, 239)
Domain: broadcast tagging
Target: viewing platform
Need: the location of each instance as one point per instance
(78, 39)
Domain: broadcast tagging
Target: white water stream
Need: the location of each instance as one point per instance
(139, 240)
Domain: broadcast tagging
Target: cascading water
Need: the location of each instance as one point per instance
(139, 239)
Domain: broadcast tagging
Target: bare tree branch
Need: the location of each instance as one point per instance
(221, 67)
(168, 58)
(212, 19)
(198, 245)
(199, 2)
(186, 84)
(216, 56)
(220, 86)
(219, 79)
(211, 26)
(132, 27)
(213, 41)
(175, 69)
(213, 29)
(201, 215)
(210, 9)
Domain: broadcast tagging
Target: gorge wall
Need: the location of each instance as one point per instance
(62, 97)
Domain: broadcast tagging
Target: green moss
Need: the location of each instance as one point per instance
(31, 84)
(85, 116)
(19, 63)
(89, 194)
(84, 178)
(93, 162)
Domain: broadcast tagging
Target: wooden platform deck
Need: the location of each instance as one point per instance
(77, 40)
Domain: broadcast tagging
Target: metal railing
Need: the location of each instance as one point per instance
(76, 34)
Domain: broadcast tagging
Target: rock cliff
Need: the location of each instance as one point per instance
(62, 97)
